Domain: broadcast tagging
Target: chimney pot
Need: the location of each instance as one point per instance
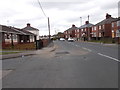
(108, 16)
(87, 22)
(28, 24)
(73, 25)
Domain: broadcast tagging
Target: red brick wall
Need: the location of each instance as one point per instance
(45, 42)
(108, 30)
(21, 46)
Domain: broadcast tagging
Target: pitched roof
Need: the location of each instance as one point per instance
(86, 25)
(28, 27)
(117, 19)
(72, 28)
(14, 30)
(9, 30)
(23, 31)
(107, 21)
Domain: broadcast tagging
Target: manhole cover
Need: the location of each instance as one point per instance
(62, 53)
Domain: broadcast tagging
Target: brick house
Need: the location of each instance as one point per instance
(78, 34)
(103, 30)
(85, 31)
(116, 29)
(60, 35)
(70, 33)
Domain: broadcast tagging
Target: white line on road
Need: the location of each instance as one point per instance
(87, 49)
(109, 57)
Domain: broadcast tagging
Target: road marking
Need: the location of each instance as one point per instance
(109, 57)
(87, 49)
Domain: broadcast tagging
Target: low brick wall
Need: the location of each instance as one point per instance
(24, 46)
(21, 46)
(45, 42)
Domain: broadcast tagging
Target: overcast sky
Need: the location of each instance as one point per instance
(62, 14)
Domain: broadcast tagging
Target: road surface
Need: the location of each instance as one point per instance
(71, 65)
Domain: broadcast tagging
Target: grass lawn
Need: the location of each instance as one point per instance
(4, 53)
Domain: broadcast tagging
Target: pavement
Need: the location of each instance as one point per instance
(49, 48)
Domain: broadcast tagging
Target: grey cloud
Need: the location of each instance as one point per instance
(8, 13)
(60, 5)
(109, 5)
(74, 19)
(119, 9)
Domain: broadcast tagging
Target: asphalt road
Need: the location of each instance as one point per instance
(71, 65)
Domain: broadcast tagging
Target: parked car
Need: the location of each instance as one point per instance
(62, 39)
(70, 40)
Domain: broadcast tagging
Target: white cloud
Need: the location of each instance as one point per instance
(62, 14)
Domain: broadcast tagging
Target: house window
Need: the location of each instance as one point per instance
(92, 28)
(99, 34)
(78, 30)
(94, 34)
(7, 36)
(103, 26)
(112, 24)
(82, 30)
(118, 23)
(95, 28)
(99, 27)
(14, 36)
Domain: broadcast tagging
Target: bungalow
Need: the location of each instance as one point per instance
(32, 30)
(103, 30)
(85, 31)
(70, 32)
(13, 36)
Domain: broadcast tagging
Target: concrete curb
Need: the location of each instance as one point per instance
(100, 43)
(46, 49)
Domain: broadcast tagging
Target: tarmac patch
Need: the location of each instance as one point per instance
(62, 53)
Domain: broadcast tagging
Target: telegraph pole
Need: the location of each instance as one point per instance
(49, 27)
(88, 29)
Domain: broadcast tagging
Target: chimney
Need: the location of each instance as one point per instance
(73, 25)
(108, 16)
(28, 24)
(87, 22)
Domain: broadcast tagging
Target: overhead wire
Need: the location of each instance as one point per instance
(42, 9)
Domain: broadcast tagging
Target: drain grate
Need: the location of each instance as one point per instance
(62, 53)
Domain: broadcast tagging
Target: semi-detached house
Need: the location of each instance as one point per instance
(70, 33)
(86, 31)
(103, 30)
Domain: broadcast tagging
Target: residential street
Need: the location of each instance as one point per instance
(71, 65)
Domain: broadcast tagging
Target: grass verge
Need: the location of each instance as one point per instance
(5, 53)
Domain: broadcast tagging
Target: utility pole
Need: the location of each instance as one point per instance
(49, 28)
(88, 29)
